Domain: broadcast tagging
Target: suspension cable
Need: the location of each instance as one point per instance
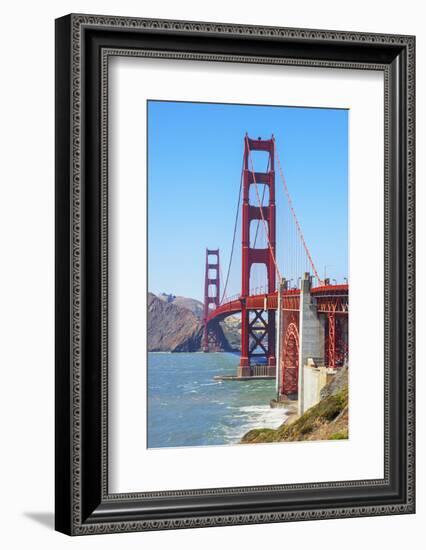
(290, 203)
(221, 284)
(235, 233)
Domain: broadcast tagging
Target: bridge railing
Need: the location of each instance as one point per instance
(258, 290)
(228, 299)
(321, 290)
(260, 370)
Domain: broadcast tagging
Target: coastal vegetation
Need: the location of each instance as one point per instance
(328, 419)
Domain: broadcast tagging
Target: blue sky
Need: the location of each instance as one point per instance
(194, 166)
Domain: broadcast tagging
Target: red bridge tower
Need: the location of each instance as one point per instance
(257, 325)
(211, 338)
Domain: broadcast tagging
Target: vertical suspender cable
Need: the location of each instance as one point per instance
(290, 202)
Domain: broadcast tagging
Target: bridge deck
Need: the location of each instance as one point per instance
(325, 294)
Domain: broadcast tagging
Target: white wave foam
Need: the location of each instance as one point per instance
(254, 416)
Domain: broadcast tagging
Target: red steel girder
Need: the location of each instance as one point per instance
(290, 357)
(252, 256)
(211, 282)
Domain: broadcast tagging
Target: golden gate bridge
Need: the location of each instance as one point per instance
(279, 322)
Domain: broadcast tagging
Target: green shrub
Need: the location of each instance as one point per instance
(322, 413)
(343, 434)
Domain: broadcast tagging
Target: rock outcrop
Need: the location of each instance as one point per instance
(337, 383)
(175, 323)
(328, 419)
(231, 327)
(189, 303)
(172, 327)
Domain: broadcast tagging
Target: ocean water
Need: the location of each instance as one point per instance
(187, 407)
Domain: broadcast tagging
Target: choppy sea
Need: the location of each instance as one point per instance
(187, 407)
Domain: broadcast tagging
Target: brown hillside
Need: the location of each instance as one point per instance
(171, 327)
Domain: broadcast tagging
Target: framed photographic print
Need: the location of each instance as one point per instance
(234, 274)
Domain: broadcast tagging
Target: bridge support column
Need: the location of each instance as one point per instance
(271, 341)
(332, 329)
(258, 332)
(311, 336)
(244, 368)
(211, 297)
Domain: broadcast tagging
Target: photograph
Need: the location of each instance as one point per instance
(248, 274)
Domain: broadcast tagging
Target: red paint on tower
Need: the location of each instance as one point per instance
(252, 256)
(211, 296)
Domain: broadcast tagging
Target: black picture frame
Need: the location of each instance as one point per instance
(83, 504)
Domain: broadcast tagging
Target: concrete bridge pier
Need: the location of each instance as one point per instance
(311, 336)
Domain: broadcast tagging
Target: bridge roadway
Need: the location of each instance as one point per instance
(329, 299)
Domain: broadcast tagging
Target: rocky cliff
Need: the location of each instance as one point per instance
(172, 327)
(231, 327)
(328, 419)
(189, 303)
(175, 323)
